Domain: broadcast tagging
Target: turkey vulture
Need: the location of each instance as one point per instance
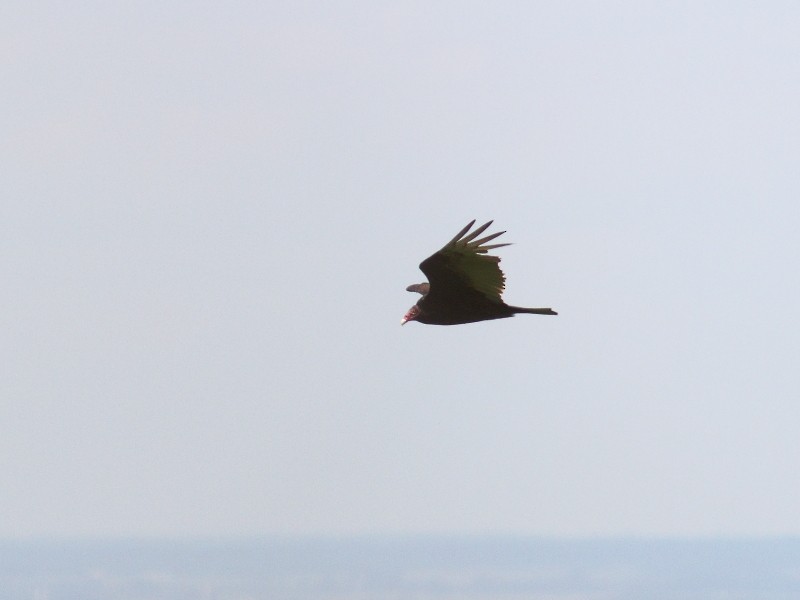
(465, 283)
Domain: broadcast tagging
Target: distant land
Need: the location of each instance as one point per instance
(414, 567)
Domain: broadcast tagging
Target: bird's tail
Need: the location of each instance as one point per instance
(534, 311)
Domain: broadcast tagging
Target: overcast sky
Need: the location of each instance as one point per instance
(210, 212)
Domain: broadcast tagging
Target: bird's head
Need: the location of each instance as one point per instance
(412, 314)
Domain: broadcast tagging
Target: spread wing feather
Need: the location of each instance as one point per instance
(462, 267)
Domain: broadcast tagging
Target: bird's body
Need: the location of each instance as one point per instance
(465, 284)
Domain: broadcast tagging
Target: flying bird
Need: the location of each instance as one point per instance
(464, 283)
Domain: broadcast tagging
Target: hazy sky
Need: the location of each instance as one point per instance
(210, 212)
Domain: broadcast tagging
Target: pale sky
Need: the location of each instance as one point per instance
(210, 212)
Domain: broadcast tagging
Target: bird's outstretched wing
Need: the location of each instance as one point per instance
(462, 268)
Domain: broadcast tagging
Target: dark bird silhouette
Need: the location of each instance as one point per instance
(465, 283)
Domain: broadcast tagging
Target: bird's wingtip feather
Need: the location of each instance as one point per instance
(461, 233)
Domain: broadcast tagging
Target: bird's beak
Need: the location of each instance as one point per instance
(412, 314)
